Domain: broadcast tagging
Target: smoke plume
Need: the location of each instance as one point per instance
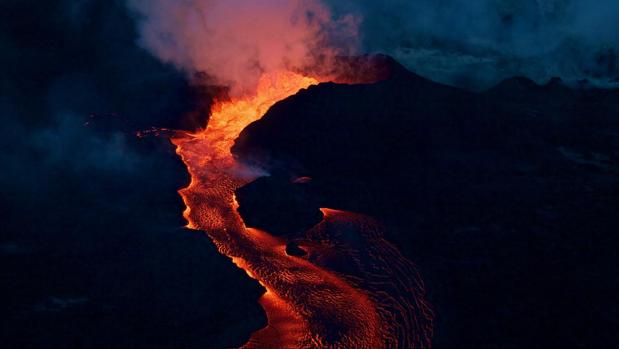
(469, 43)
(235, 41)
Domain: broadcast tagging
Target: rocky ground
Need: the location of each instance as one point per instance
(505, 199)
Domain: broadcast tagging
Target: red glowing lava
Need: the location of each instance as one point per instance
(308, 305)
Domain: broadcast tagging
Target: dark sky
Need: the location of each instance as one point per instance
(476, 43)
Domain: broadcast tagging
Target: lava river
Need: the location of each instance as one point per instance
(374, 300)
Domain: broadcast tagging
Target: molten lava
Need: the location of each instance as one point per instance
(308, 301)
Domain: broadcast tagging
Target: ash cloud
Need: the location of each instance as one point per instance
(235, 41)
(476, 43)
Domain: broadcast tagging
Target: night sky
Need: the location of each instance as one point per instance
(93, 252)
(478, 43)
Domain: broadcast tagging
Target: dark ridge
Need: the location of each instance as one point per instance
(506, 199)
(292, 249)
(555, 82)
(520, 83)
(357, 69)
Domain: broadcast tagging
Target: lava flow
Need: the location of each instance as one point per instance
(308, 303)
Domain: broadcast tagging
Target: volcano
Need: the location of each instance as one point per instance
(488, 192)
(443, 172)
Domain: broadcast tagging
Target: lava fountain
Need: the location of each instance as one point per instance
(308, 304)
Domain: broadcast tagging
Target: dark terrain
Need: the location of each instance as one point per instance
(92, 249)
(506, 199)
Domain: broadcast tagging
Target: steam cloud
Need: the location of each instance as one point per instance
(235, 41)
(476, 43)
(469, 43)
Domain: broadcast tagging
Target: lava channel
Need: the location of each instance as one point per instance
(309, 303)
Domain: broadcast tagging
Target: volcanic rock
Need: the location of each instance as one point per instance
(278, 205)
(292, 249)
(511, 193)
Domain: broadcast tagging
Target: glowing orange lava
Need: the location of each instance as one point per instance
(307, 306)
